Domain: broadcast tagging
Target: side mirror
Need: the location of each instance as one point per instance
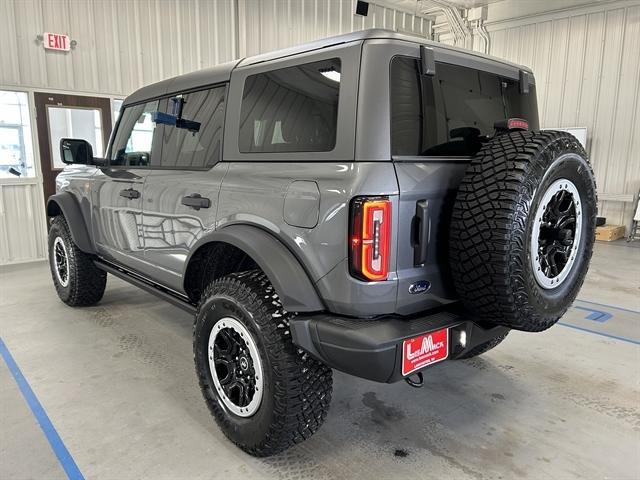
(76, 151)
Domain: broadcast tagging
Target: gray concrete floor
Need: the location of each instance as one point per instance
(117, 382)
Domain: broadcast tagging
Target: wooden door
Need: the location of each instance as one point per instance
(72, 116)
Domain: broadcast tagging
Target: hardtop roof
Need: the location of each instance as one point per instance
(222, 73)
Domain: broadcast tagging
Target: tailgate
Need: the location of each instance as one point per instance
(427, 192)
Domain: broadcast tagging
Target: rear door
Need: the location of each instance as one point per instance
(181, 191)
(437, 124)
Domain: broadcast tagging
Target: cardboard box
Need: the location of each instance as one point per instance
(609, 233)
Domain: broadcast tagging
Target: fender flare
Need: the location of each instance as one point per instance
(66, 204)
(285, 272)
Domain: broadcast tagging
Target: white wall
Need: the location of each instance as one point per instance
(123, 45)
(587, 67)
(586, 60)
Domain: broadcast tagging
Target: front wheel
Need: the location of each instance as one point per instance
(77, 280)
(265, 393)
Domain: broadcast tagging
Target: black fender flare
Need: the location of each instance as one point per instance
(64, 203)
(285, 272)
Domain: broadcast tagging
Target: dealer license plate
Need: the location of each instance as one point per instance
(424, 350)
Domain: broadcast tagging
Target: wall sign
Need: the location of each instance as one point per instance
(56, 41)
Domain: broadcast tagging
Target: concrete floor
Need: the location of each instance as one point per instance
(117, 382)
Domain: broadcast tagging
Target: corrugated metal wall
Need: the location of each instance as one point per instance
(22, 225)
(586, 62)
(123, 45)
(274, 24)
(587, 67)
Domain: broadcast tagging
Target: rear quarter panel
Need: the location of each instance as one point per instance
(254, 193)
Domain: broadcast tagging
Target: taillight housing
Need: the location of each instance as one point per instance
(370, 238)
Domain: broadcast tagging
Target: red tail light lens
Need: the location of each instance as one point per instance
(370, 238)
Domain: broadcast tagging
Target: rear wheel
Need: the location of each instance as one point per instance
(77, 280)
(523, 229)
(265, 393)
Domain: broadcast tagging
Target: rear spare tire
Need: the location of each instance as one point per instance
(523, 227)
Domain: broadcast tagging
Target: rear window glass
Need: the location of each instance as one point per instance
(194, 141)
(450, 113)
(292, 109)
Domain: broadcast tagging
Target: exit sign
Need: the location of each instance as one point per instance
(56, 41)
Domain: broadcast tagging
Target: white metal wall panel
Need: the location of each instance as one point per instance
(274, 24)
(121, 45)
(22, 227)
(587, 68)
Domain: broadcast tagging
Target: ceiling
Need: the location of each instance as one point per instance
(422, 5)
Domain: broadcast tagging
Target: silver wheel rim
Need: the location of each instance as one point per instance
(556, 233)
(61, 261)
(235, 370)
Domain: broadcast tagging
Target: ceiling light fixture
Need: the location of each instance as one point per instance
(331, 74)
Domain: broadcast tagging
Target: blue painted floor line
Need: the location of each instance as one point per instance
(608, 306)
(615, 337)
(595, 315)
(64, 457)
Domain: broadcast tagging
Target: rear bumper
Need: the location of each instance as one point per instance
(373, 348)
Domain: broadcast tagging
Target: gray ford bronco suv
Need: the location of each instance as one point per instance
(372, 203)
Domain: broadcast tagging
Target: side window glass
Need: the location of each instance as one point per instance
(194, 140)
(293, 109)
(132, 145)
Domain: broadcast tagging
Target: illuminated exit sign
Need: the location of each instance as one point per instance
(56, 41)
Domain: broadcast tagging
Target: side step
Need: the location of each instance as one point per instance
(158, 290)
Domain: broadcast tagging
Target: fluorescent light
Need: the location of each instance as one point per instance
(331, 74)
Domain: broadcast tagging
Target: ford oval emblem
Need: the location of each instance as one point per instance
(419, 287)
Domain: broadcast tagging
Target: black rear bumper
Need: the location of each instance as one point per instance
(373, 348)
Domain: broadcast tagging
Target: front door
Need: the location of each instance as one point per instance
(68, 116)
(117, 189)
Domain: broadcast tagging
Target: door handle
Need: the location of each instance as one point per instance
(196, 201)
(422, 227)
(130, 193)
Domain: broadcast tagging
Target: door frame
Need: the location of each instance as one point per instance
(42, 100)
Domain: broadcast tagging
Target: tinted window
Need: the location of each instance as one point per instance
(134, 138)
(292, 109)
(194, 141)
(451, 113)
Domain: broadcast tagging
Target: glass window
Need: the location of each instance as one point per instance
(116, 105)
(292, 109)
(195, 140)
(456, 109)
(134, 138)
(71, 122)
(16, 147)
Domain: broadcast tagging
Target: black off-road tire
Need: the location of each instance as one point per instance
(484, 347)
(297, 388)
(86, 282)
(492, 225)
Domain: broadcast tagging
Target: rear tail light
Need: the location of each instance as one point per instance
(370, 238)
